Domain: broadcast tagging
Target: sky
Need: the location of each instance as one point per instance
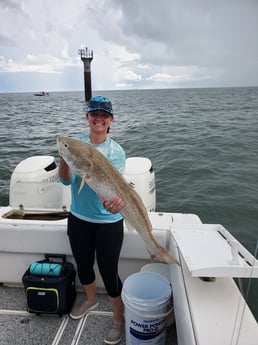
(137, 44)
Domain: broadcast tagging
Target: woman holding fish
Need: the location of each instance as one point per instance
(95, 226)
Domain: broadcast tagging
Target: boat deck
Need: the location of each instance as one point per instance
(17, 325)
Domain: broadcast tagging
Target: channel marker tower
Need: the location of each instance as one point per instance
(87, 57)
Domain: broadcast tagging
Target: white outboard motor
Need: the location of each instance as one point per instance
(34, 184)
(140, 175)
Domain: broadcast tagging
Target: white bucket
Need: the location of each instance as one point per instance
(146, 296)
(162, 269)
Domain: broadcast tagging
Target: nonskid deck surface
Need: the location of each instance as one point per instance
(18, 326)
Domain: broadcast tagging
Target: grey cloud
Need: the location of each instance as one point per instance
(192, 27)
(6, 41)
(12, 4)
(214, 35)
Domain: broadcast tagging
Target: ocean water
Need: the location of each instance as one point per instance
(202, 143)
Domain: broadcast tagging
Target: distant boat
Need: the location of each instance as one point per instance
(42, 93)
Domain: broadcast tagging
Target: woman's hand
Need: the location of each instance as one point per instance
(114, 205)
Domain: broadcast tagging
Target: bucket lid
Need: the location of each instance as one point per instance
(146, 289)
(158, 267)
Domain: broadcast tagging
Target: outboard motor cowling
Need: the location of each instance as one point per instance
(35, 184)
(140, 175)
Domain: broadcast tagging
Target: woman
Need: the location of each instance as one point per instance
(95, 226)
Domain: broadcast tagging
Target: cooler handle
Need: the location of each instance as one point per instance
(56, 256)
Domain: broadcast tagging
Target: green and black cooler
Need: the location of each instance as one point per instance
(50, 285)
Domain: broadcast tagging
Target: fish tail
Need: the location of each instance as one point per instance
(163, 255)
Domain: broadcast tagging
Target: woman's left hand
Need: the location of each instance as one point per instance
(114, 205)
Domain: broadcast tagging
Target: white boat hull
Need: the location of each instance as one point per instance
(209, 312)
(206, 312)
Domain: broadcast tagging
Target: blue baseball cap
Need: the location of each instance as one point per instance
(100, 103)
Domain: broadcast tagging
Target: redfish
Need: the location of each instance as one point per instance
(107, 182)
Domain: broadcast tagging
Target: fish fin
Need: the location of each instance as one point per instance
(84, 180)
(163, 255)
(129, 227)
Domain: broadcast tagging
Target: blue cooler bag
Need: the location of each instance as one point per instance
(50, 285)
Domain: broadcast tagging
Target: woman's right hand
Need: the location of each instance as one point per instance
(114, 205)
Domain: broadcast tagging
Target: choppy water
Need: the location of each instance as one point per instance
(202, 143)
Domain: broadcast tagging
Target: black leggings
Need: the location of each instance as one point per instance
(105, 240)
